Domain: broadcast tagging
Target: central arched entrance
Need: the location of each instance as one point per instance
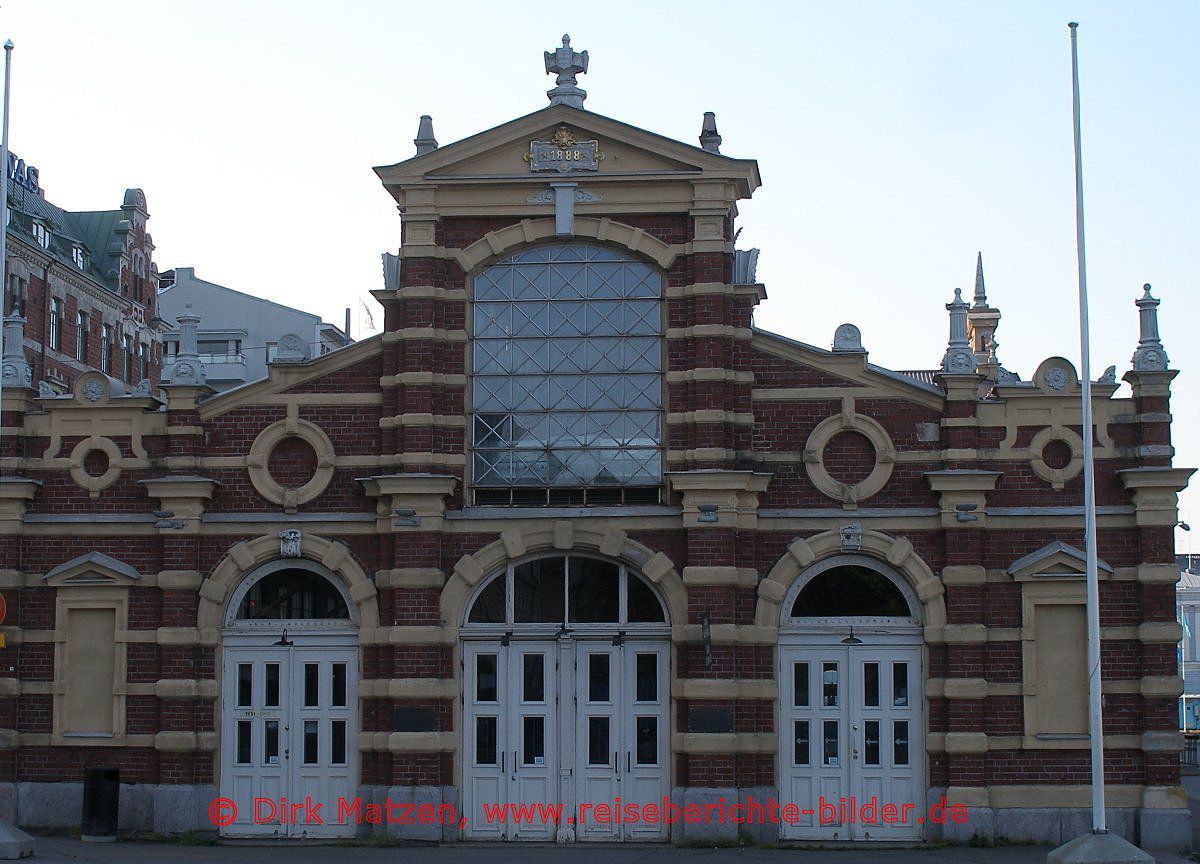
(289, 707)
(851, 702)
(566, 695)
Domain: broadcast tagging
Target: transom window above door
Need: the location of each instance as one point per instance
(567, 591)
(566, 358)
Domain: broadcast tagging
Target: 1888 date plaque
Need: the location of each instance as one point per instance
(563, 153)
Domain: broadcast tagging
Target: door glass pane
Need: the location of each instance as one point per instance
(900, 742)
(802, 747)
(598, 689)
(598, 741)
(538, 591)
(871, 685)
(485, 678)
(831, 742)
(485, 740)
(535, 678)
(642, 606)
(243, 742)
(271, 742)
(594, 591)
(245, 680)
(311, 671)
(647, 678)
(871, 743)
(829, 685)
(337, 736)
(900, 685)
(272, 700)
(647, 740)
(534, 751)
(800, 685)
(339, 685)
(310, 742)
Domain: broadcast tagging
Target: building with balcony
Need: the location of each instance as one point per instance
(240, 334)
(79, 291)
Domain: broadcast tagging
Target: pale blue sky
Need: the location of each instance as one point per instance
(894, 139)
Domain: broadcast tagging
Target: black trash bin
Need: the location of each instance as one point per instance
(101, 803)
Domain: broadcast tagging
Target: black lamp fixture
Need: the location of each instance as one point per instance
(852, 639)
(283, 641)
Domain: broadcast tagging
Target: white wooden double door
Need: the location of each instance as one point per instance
(852, 732)
(579, 723)
(289, 732)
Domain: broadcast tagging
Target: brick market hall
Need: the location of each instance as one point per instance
(574, 528)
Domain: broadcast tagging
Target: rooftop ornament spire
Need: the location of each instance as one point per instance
(425, 141)
(1150, 355)
(959, 358)
(566, 63)
(710, 139)
(980, 291)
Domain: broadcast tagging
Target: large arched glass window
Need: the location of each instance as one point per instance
(292, 594)
(567, 378)
(850, 591)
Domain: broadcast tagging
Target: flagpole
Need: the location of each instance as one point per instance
(1095, 710)
(8, 49)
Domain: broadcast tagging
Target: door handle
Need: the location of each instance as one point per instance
(502, 763)
(627, 757)
(616, 763)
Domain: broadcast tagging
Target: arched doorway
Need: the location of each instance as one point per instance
(851, 702)
(289, 707)
(565, 698)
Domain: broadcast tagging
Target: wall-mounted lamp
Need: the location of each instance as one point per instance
(283, 641)
(852, 639)
(1183, 525)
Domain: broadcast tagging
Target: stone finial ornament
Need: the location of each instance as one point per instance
(425, 141)
(710, 139)
(290, 349)
(16, 369)
(1149, 356)
(187, 370)
(566, 63)
(959, 359)
(847, 338)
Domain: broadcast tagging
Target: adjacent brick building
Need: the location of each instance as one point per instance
(79, 291)
(573, 528)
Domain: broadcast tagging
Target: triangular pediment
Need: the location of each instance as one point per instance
(628, 151)
(846, 371)
(94, 568)
(1056, 560)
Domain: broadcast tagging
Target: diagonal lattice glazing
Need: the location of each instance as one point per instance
(567, 370)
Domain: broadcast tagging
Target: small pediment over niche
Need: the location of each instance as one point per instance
(94, 568)
(1056, 560)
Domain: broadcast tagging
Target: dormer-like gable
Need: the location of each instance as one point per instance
(94, 568)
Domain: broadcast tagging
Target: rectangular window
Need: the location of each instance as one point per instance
(56, 323)
(871, 685)
(81, 336)
(534, 749)
(337, 736)
(311, 680)
(312, 743)
(900, 685)
(485, 678)
(106, 347)
(829, 685)
(78, 257)
(272, 700)
(485, 740)
(871, 743)
(647, 740)
(339, 685)
(271, 742)
(598, 689)
(598, 741)
(143, 361)
(830, 735)
(41, 235)
(647, 678)
(800, 685)
(244, 728)
(127, 358)
(245, 685)
(534, 685)
(802, 747)
(900, 742)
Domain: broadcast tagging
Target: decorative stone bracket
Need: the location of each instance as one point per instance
(964, 495)
(719, 499)
(183, 498)
(1156, 493)
(15, 495)
(409, 500)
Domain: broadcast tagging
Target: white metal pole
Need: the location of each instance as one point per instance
(1095, 711)
(8, 48)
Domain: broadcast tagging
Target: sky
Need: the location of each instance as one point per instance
(895, 140)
